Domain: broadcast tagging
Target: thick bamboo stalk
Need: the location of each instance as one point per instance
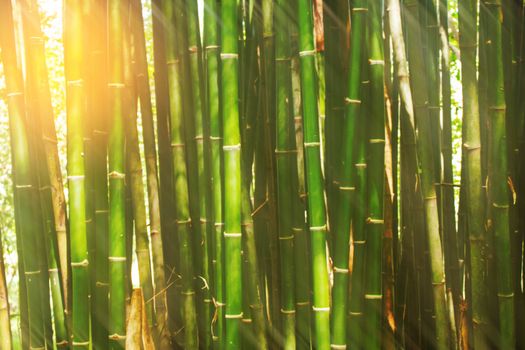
(75, 92)
(201, 140)
(152, 179)
(180, 176)
(25, 206)
(117, 192)
(232, 173)
(468, 15)
(419, 110)
(497, 175)
(314, 179)
(352, 141)
(98, 110)
(211, 46)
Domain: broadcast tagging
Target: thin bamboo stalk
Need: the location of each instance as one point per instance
(5, 322)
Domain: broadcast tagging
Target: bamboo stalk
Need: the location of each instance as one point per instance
(117, 193)
(5, 323)
(468, 14)
(75, 92)
(23, 186)
(314, 178)
(497, 174)
(232, 173)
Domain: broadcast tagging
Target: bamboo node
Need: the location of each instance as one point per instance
(318, 228)
(215, 138)
(505, 295)
(237, 316)
(198, 138)
(116, 85)
(284, 238)
(188, 293)
(172, 62)
(78, 82)
(288, 312)
(183, 222)
(116, 175)
(83, 263)
(302, 303)
(373, 296)
(500, 206)
(232, 234)
(117, 337)
(117, 258)
(360, 9)
(236, 147)
(359, 242)
(14, 94)
(440, 283)
(312, 144)
(285, 151)
(376, 62)
(211, 47)
(53, 269)
(225, 56)
(80, 343)
(375, 221)
(192, 49)
(347, 188)
(218, 224)
(282, 59)
(29, 273)
(246, 320)
(306, 53)
(376, 141)
(355, 313)
(24, 186)
(340, 270)
(338, 346)
(177, 145)
(101, 284)
(349, 101)
(297, 229)
(498, 108)
(39, 348)
(321, 309)
(468, 147)
(62, 343)
(75, 177)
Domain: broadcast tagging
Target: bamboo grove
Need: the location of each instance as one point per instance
(287, 183)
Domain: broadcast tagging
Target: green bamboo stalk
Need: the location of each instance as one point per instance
(152, 181)
(5, 322)
(498, 190)
(314, 178)
(448, 218)
(284, 154)
(136, 185)
(424, 153)
(45, 158)
(232, 174)
(468, 15)
(211, 46)
(116, 173)
(375, 181)
(201, 124)
(97, 108)
(25, 206)
(74, 60)
(346, 200)
(180, 177)
(38, 75)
